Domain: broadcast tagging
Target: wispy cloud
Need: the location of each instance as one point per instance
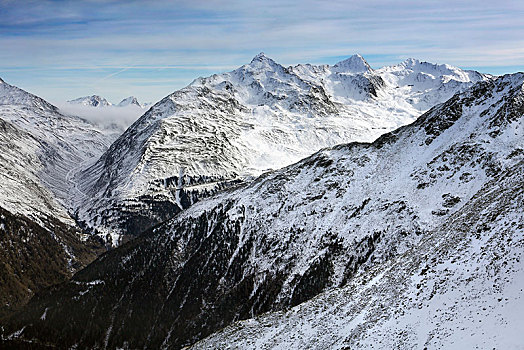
(113, 74)
(126, 42)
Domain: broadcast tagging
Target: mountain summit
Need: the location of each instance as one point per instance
(12, 95)
(131, 100)
(261, 63)
(354, 64)
(261, 57)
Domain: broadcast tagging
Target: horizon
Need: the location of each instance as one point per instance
(62, 50)
(340, 58)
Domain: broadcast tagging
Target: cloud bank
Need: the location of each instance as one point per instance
(110, 117)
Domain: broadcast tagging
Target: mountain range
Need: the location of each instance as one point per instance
(271, 207)
(98, 101)
(224, 129)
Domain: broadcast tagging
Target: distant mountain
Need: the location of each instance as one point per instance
(429, 82)
(131, 100)
(225, 128)
(93, 101)
(413, 240)
(98, 101)
(354, 64)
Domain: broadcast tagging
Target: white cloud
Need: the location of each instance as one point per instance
(106, 117)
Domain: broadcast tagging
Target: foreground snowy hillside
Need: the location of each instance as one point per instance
(431, 208)
(224, 128)
(460, 287)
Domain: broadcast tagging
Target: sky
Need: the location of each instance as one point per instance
(61, 50)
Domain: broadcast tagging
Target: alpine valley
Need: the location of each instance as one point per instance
(40, 150)
(318, 207)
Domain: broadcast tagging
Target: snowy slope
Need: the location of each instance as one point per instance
(22, 190)
(444, 191)
(41, 149)
(12, 95)
(239, 124)
(461, 287)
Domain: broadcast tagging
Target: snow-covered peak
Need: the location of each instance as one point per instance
(261, 57)
(261, 82)
(444, 72)
(12, 95)
(427, 83)
(93, 100)
(131, 100)
(417, 65)
(410, 62)
(261, 62)
(353, 64)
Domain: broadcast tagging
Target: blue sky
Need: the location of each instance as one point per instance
(65, 49)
